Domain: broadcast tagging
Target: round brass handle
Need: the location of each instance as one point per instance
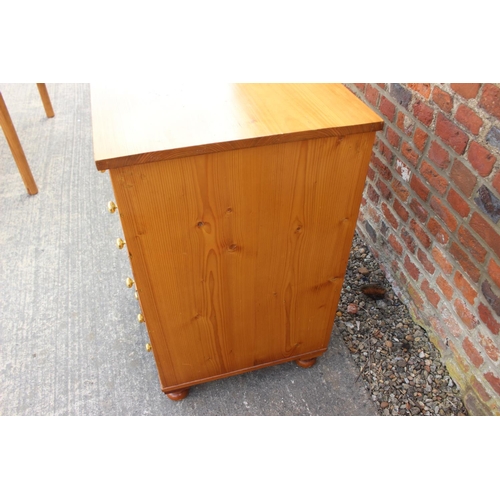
(148, 347)
(130, 282)
(140, 318)
(112, 207)
(136, 295)
(120, 243)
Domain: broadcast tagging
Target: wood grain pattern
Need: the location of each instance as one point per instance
(239, 256)
(140, 124)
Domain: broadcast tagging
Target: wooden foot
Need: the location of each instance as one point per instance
(178, 395)
(47, 105)
(306, 363)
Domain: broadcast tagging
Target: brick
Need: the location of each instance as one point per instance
(451, 134)
(393, 137)
(415, 296)
(466, 90)
(423, 112)
(438, 231)
(481, 159)
(371, 94)
(400, 94)
(439, 155)
(488, 319)
(494, 272)
(453, 327)
(389, 217)
(411, 268)
(473, 246)
(371, 232)
(458, 203)
(484, 229)
(442, 261)
(400, 190)
(405, 123)
(463, 178)
(372, 194)
(463, 285)
(382, 168)
(430, 293)
(420, 139)
(493, 380)
(496, 182)
(408, 240)
(424, 260)
(479, 389)
(493, 137)
(420, 212)
(371, 174)
(384, 228)
(464, 261)
(442, 99)
(438, 182)
(490, 296)
(409, 153)
(488, 203)
(402, 169)
(420, 233)
(445, 287)
(490, 100)
(360, 86)
(382, 85)
(385, 151)
(400, 210)
(398, 248)
(472, 353)
(420, 189)
(489, 347)
(373, 214)
(443, 213)
(424, 89)
(469, 118)
(384, 190)
(387, 108)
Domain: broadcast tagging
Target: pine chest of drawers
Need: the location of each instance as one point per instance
(238, 205)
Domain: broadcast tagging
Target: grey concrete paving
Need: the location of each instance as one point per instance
(70, 343)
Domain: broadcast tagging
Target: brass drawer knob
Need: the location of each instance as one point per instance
(136, 295)
(148, 347)
(112, 207)
(130, 282)
(140, 318)
(120, 243)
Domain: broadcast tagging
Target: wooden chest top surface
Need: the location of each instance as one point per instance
(134, 124)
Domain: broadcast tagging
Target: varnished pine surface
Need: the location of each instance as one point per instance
(134, 123)
(239, 256)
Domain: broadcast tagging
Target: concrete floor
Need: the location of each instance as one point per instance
(70, 343)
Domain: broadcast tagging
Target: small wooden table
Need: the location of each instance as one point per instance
(238, 204)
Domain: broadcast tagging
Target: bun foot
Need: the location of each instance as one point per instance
(178, 395)
(306, 363)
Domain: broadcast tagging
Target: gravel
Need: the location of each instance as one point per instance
(399, 365)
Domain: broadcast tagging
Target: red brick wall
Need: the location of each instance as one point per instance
(431, 215)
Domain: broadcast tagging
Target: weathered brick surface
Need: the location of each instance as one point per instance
(488, 203)
(469, 118)
(490, 100)
(431, 215)
(463, 178)
(481, 158)
(442, 99)
(466, 90)
(451, 134)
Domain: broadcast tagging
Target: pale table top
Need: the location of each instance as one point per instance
(135, 124)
